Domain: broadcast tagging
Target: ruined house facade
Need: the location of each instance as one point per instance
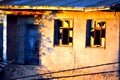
(62, 39)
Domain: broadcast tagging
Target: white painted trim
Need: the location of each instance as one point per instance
(4, 38)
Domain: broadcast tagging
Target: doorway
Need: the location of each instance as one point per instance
(22, 39)
(32, 44)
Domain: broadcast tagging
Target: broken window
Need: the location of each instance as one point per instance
(95, 34)
(63, 33)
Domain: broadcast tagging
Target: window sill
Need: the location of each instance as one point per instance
(95, 47)
(63, 46)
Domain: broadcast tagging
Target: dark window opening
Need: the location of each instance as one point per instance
(65, 36)
(57, 34)
(101, 24)
(95, 33)
(97, 40)
(103, 33)
(63, 32)
(70, 39)
(88, 32)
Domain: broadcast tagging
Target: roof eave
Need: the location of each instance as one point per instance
(83, 9)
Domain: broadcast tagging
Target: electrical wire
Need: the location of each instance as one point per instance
(74, 70)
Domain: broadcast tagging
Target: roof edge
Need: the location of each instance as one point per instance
(84, 9)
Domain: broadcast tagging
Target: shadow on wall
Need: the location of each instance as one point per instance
(41, 20)
(32, 35)
(24, 72)
(30, 71)
(44, 49)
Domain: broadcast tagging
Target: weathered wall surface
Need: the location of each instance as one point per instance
(78, 55)
(59, 58)
(56, 58)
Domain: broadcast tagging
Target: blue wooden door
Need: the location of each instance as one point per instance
(32, 45)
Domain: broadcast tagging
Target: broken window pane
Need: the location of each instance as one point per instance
(70, 39)
(63, 32)
(88, 32)
(103, 33)
(65, 36)
(57, 25)
(97, 39)
(95, 33)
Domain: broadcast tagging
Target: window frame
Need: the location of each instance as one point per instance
(61, 28)
(93, 26)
